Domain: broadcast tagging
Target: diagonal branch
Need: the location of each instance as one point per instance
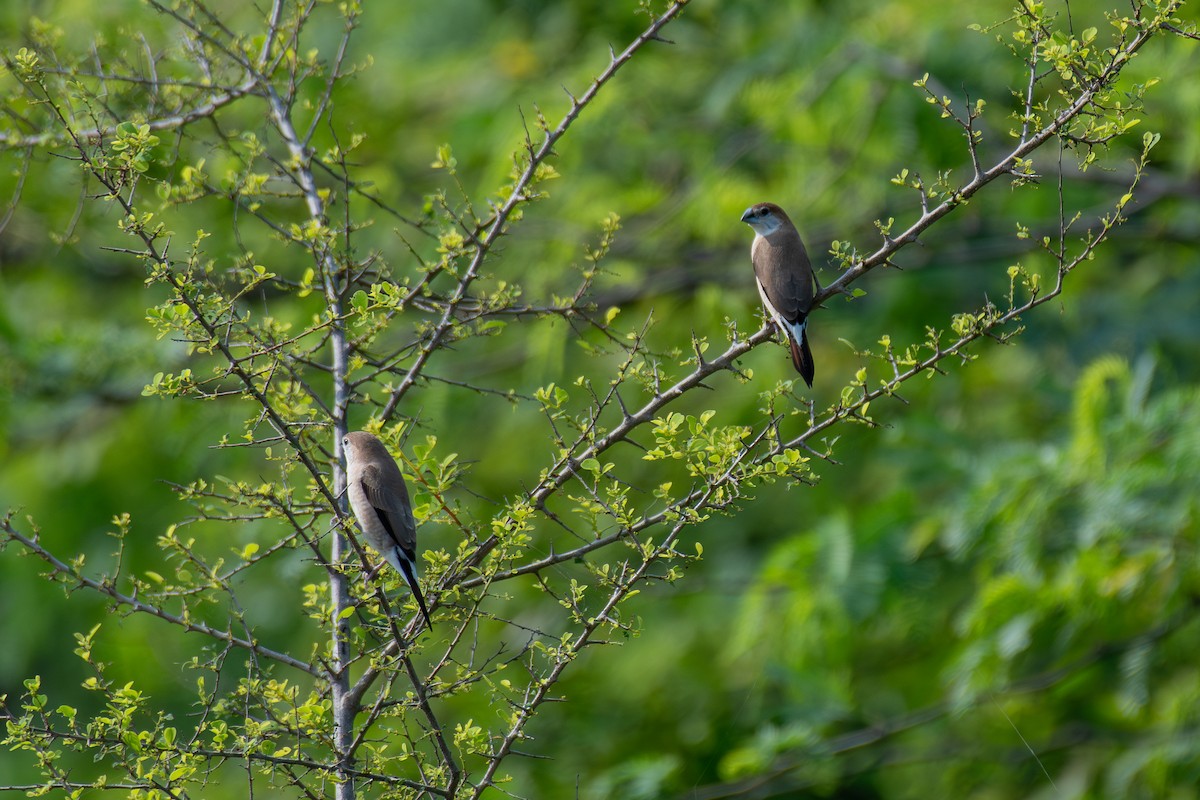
(134, 605)
(499, 223)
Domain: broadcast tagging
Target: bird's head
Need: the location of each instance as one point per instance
(360, 445)
(765, 218)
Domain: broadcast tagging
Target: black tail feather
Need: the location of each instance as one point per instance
(802, 358)
(410, 577)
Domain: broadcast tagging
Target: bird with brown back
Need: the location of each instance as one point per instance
(379, 500)
(785, 279)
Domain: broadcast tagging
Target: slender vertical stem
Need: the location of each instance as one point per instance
(339, 591)
(343, 706)
(343, 711)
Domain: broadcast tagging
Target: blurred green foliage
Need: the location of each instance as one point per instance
(1006, 564)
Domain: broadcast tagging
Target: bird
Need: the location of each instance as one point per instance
(379, 500)
(785, 279)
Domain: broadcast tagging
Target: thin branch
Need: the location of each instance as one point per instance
(72, 576)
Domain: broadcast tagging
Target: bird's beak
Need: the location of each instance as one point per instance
(746, 216)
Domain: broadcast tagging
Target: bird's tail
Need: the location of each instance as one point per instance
(802, 358)
(410, 576)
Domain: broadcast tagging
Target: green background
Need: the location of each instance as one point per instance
(1012, 550)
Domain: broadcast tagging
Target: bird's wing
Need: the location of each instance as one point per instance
(785, 274)
(387, 493)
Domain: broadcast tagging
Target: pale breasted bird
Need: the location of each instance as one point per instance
(785, 279)
(379, 500)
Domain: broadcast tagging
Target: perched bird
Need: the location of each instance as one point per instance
(785, 278)
(379, 500)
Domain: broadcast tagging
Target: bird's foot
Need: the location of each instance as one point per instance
(370, 576)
